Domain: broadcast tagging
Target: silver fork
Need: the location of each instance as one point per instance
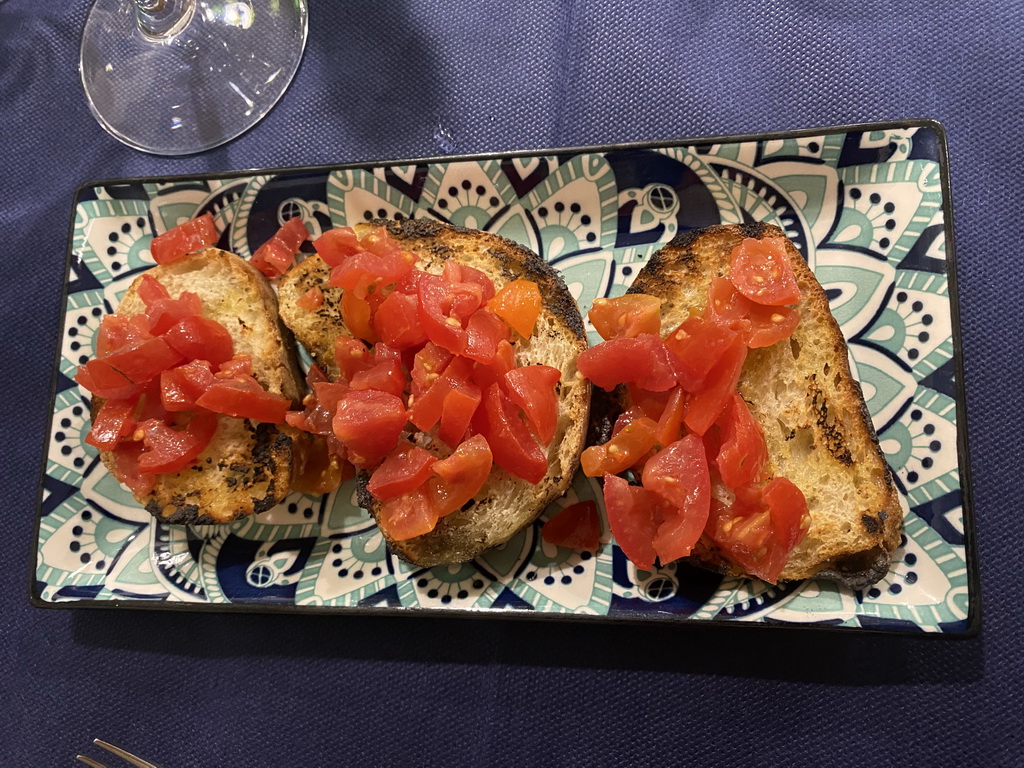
(138, 762)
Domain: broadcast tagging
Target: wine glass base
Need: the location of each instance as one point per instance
(207, 83)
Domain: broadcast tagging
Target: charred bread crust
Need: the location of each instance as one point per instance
(696, 256)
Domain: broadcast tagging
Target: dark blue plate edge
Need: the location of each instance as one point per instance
(971, 627)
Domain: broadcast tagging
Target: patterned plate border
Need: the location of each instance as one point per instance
(869, 206)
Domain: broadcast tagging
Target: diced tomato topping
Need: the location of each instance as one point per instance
(576, 527)
(455, 272)
(369, 424)
(150, 290)
(397, 321)
(441, 328)
(696, 346)
(335, 245)
(515, 449)
(165, 313)
(679, 475)
(643, 360)
(351, 356)
(113, 423)
(275, 256)
(103, 380)
(116, 331)
(406, 467)
(484, 332)
(670, 423)
(706, 405)
(184, 239)
(320, 470)
(532, 388)
(142, 360)
(126, 468)
(460, 476)
(385, 375)
(769, 325)
(311, 300)
(426, 409)
(624, 450)
(407, 516)
(727, 306)
(632, 512)
(168, 449)
(743, 453)
(364, 269)
(760, 325)
(320, 407)
(181, 387)
(428, 365)
(357, 315)
(626, 317)
(238, 365)
(200, 338)
(485, 374)
(457, 412)
(518, 304)
(762, 272)
(244, 398)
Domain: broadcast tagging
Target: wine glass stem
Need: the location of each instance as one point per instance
(159, 19)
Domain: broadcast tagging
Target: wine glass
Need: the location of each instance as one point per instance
(173, 77)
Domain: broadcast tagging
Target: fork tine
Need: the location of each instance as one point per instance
(138, 762)
(89, 761)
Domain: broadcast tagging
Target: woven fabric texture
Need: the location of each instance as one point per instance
(413, 78)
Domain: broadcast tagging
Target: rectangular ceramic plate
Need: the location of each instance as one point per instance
(867, 205)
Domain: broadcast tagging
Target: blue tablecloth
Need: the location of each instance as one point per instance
(414, 78)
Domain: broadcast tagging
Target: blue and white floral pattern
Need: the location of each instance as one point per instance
(864, 206)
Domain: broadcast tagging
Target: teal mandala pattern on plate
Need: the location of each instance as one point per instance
(866, 207)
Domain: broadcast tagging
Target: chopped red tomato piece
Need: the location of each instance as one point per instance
(385, 375)
(457, 412)
(364, 269)
(484, 332)
(369, 424)
(426, 409)
(357, 315)
(112, 423)
(126, 468)
(696, 346)
(727, 306)
(769, 325)
(200, 338)
(428, 365)
(762, 272)
(624, 450)
(351, 356)
(576, 527)
(397, 321)
(532, 388)
(320, 469)
(441, 328)
(515, 449)
(706, 405)
(485, 374)
(150, 290)
(168, 449)
(743, 452)
(116, 331)
(407, 467)
(184, 239)
(518, 303)
(626, 317)
(103, 380)
(643, 361)
(180, 387)
(632, 513)
(460, 476)
(456, 272)
(275, 256)
(788, 508)
(335, 245)
(320, 407)
(407, 516)
(311, 300)
(679, 474)
(164, 314)
(244, 398)
(670, 423)
(142, 360)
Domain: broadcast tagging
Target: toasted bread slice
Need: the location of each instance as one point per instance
(506, 504)
(817, 428)
(247, 467)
